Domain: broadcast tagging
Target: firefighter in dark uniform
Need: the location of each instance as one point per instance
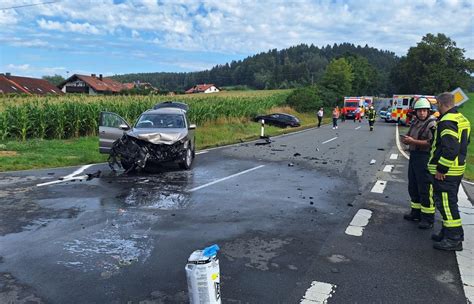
(371, 117)
(419, 138)
(446, 165)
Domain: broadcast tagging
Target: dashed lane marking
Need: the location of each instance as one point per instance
(325, 142)
(394, 156)
(318, 293)
(358, 223)
(388, 168)
(358, 128)
(379, 186)
(225, 178)
(465, 258)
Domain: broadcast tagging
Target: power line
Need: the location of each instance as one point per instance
(28, 5)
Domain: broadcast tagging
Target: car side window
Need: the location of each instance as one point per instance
(111, 120)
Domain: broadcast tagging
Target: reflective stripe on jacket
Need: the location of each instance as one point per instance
(449, 148)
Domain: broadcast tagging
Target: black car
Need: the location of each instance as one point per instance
(279, 120)
(172, 104)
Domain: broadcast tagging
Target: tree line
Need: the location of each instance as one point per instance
(293, 67)
(434, 65)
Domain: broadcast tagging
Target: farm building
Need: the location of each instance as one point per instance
(91, 85)
(203, 88)
(25, 85)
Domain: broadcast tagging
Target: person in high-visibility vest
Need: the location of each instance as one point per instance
(371, 117)
(418, 139)
(446, 166)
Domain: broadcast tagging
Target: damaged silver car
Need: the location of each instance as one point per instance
(160, 135)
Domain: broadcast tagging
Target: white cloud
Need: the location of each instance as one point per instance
(242, 26)
(83, 28)
(29, 70)
(21, 67)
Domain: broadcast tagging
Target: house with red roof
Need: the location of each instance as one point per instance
(91, 85)
(10, 84)
(203, 88)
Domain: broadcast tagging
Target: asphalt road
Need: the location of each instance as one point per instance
(279, 212)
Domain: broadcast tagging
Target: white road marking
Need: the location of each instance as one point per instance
(465, 258)
(325, 142)
(394, 156)
(397, 139)
(80, 170)
(225, 178)
(202, 152)
(379, 186)
(358, 223)
(69, 177)
(358, 128)
(318, 293)
(388, 168)
(468, 182)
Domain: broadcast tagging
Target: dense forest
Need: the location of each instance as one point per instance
(296, 66)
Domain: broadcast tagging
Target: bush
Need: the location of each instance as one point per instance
(310, 99)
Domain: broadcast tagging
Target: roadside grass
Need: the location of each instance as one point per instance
(467, 110)
(36, 154)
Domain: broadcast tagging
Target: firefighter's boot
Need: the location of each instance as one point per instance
(449, 244)
(414, 215)
(371, 128)
(426, 221)
(438, 237)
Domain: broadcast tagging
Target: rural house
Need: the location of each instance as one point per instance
(25, 85)
(91, 85)
(203, 88)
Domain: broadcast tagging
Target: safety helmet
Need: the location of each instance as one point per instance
(422, 103)
(371, 107)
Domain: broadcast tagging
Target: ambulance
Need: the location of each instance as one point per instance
(402, 107)
(352, 103)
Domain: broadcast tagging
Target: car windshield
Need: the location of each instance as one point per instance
(352, 104)
(160, 121)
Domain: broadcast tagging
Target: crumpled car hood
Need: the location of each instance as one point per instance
(160, 136)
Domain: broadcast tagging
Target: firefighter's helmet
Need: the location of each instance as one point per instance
(422, 103)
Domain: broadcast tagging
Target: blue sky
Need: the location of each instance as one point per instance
(131, 36)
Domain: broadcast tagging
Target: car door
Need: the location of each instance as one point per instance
(111, 128)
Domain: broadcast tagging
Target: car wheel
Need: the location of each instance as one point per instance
(187, 159)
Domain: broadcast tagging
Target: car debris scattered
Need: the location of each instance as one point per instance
(265, 140)
(296, 154)
(372, 161)
(93, 175)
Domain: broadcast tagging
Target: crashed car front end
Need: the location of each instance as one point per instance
(137, 149)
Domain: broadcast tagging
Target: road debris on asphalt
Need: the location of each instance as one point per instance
(372, 161)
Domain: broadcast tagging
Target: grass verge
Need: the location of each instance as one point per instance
(36, 154)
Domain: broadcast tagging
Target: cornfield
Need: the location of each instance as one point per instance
(70, 116)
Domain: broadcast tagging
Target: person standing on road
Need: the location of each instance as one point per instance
(357, 114)
(446, 165)
(335, 117)
(343, 114)
(371, 117)
(419, 138)
(320, 115)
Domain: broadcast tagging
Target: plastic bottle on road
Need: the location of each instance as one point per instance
(202, 272)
